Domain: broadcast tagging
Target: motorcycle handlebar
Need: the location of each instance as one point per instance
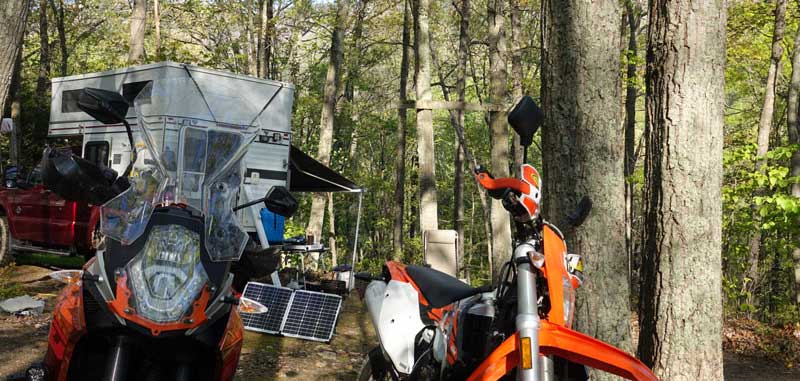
(489, 183)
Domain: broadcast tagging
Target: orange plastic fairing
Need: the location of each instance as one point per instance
(500, 362)
(66, 329)
(555, 271)
(122, 306)
(582, 349)
(231, 345)
(568, 344)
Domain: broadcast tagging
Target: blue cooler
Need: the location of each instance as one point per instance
(274, 226)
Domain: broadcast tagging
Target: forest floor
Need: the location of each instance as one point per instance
(23, 340)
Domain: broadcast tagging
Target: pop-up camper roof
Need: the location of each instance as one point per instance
(67, 119)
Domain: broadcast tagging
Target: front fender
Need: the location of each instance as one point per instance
(568, 344)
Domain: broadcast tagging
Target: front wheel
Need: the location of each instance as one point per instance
(6, 254)
(375, 367)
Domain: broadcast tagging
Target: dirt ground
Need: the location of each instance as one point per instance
(265, 357)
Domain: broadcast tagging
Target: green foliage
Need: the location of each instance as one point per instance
(8, 289)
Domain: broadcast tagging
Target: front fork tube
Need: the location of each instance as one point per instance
(528, 323)
(117, 362)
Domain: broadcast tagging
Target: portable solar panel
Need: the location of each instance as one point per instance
(312, 315)
(276, 299)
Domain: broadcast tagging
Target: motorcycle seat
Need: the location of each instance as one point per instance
(439, 288)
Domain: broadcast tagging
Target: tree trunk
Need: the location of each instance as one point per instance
(353, 75)
(58, 13)
(517, 76)
(267, 10)
(681, 303)
(457, 121)
(501, 223)
(764, 127)
(12, 30)
(138, 24)
(794, 138)
(428, 208)
(582, 155)
(16, 104)
(332, 85)
(43, 77)
(331, 231)
(400, 154)
(461, 80)
(157, 21)
(631, 94)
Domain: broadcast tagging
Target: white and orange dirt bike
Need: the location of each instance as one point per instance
(432, 326)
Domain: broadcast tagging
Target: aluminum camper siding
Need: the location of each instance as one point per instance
(266, 162)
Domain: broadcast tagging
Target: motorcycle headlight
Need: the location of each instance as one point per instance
(167, 275)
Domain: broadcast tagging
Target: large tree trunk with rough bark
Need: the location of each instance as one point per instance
(793, 116)
(764, 127)
(498, 76)
(582, 145)
(428, 208)
(332, 85)
(12, 29)
(400, 153)
(681, 303)
(138, 24)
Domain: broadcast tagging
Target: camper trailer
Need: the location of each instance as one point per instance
(266, 162)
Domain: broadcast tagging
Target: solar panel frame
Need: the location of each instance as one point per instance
(323, 326)
(276, 312)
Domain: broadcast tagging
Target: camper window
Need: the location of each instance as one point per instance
(97, 153)
(69, 100)
(131, 90)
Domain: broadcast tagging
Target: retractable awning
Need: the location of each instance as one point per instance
(309, 175)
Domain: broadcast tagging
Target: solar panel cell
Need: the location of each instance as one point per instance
(312, 315)
(302, 314)
(276, 299)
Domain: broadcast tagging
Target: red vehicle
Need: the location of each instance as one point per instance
(33, 218)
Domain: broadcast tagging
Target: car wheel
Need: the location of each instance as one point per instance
(6, 255)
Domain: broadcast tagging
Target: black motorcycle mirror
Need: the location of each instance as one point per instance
(278, 200)
(108, 107)
(526, 118)
(581, 212)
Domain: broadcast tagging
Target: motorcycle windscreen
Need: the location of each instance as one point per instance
(190, 141)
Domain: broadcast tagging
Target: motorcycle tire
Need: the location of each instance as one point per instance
(375, 367)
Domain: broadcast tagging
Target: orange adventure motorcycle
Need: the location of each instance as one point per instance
(158, 302)
(432, 326)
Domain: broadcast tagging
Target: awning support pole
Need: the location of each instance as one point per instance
(352, 281)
